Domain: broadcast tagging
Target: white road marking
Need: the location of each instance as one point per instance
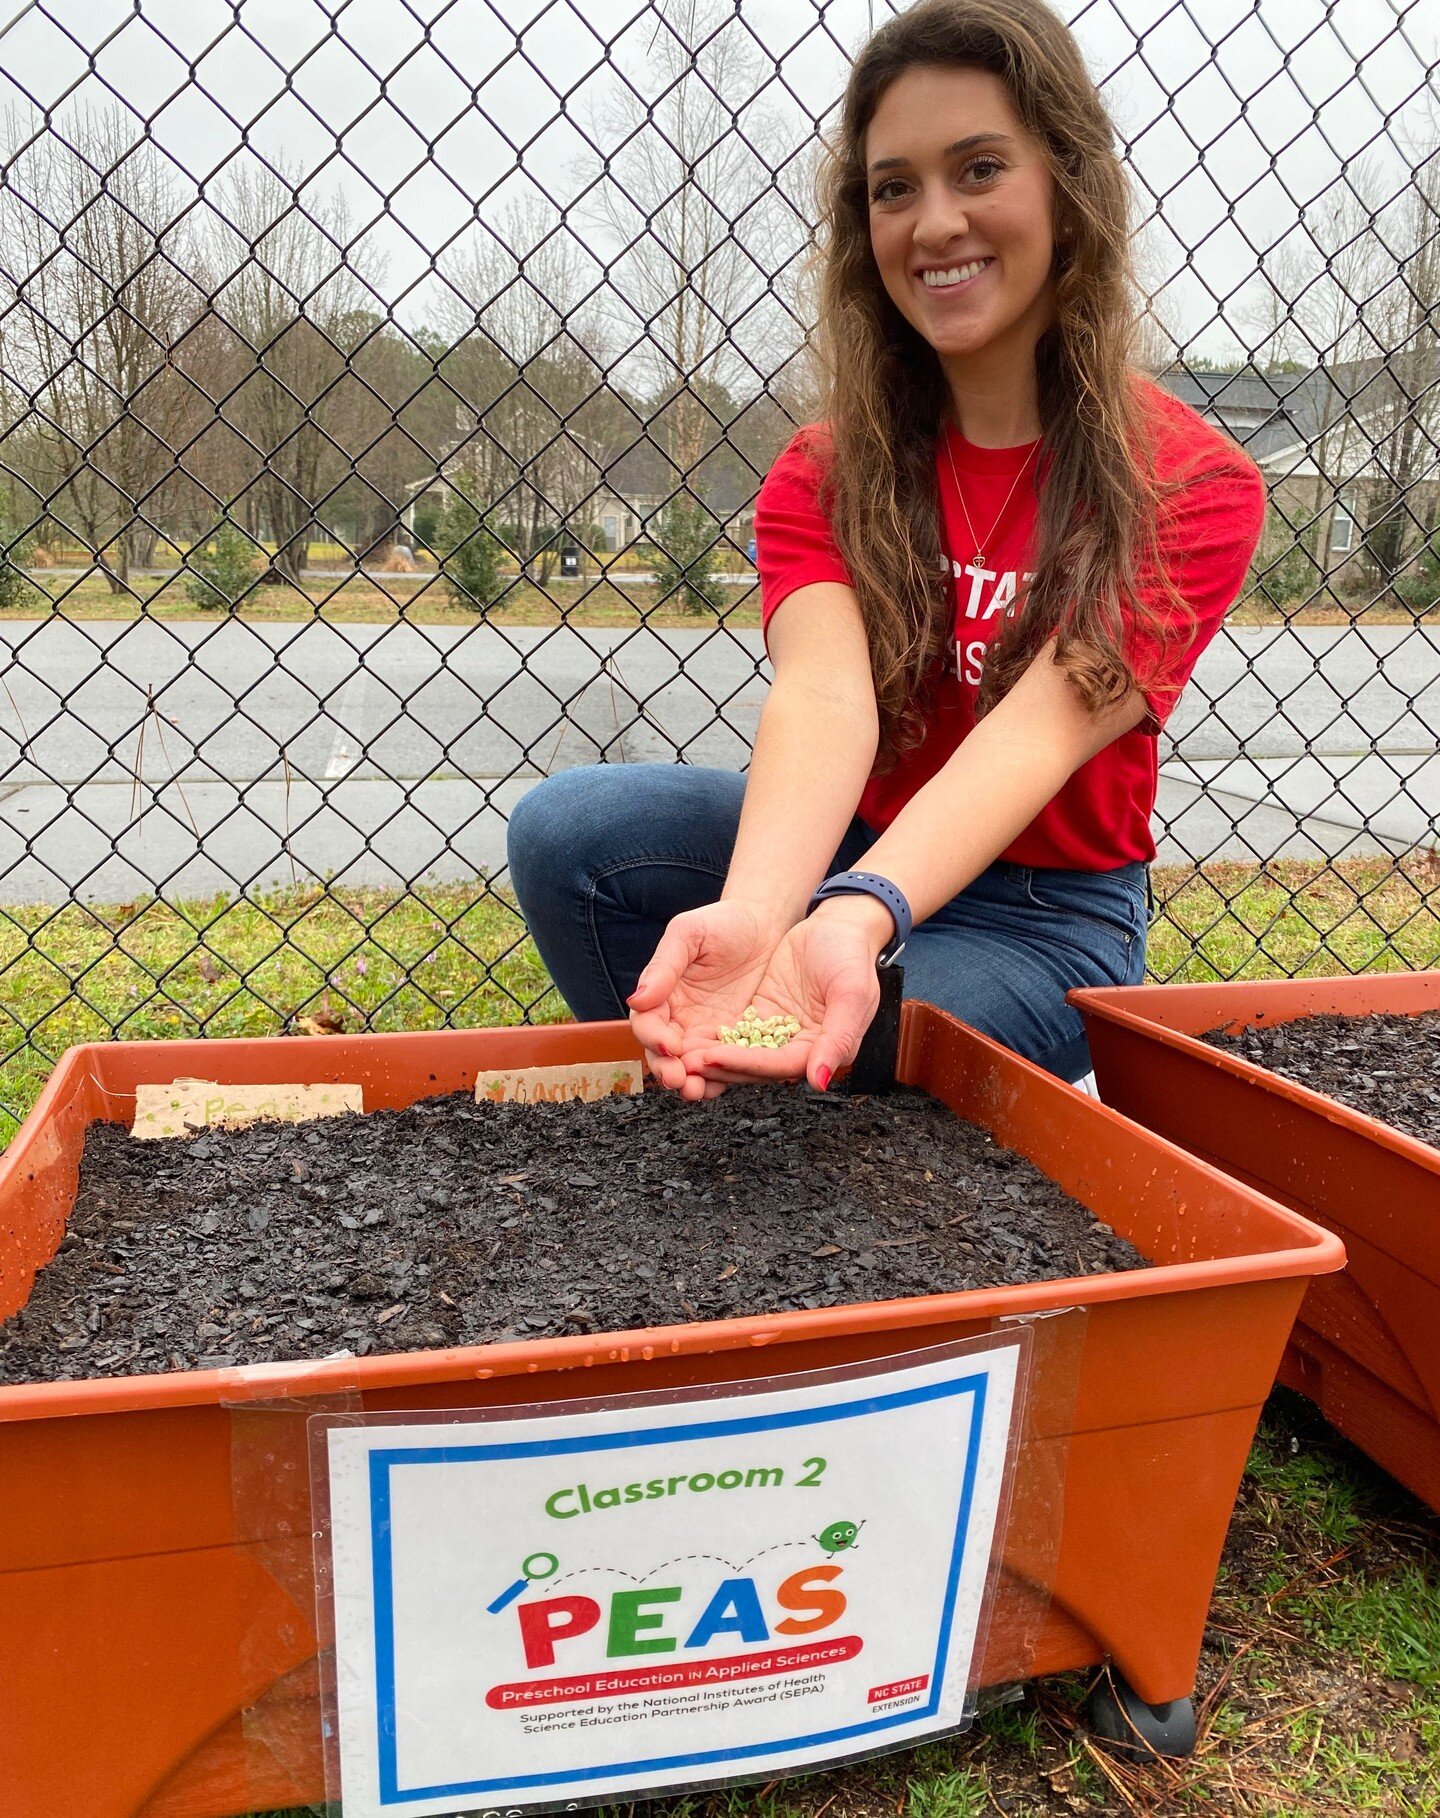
(345, 752)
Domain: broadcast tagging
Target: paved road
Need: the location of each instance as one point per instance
(192, 755)
(370, 752)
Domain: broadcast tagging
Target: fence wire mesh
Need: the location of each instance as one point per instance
(386, 387)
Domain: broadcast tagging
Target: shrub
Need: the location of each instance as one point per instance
(684, 555)
(1288, 579)
(1418, 583)
(469, 555)
(15, 587)
(222, 569)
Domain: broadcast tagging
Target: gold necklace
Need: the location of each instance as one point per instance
(979, 560)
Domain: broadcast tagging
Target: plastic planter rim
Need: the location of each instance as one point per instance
(1313, 1251)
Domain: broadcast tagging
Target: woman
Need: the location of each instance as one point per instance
(985, 579)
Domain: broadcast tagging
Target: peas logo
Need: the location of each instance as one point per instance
(839, 1536)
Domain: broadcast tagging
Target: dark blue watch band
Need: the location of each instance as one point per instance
(866, 883)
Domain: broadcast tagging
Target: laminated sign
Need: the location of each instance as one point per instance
(657, 1593)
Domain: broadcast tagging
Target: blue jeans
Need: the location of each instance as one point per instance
(602, 857)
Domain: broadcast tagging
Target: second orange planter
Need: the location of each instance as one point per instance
(1367, 1345)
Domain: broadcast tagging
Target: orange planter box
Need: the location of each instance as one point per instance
(158, 1653)
(1366, 1347)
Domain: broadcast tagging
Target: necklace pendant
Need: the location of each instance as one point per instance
(979, 561)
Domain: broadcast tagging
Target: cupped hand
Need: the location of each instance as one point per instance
(701, 977)
(822, 973)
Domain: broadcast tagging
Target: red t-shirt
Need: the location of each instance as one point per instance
(1208, 531)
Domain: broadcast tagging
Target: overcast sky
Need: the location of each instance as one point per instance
(356, 97)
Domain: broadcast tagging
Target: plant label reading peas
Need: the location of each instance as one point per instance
(653, 1594)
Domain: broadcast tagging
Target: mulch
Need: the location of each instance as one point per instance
(1386, 1066)
(452, 1223)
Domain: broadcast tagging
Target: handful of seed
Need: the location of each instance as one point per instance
(756, 1031)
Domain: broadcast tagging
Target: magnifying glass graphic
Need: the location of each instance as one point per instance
(536, 1565)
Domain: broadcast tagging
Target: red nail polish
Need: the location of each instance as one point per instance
(822, 1078)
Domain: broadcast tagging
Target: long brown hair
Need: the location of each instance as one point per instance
(886, 394)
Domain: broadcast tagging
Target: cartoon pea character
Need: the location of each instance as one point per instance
(839, 1535)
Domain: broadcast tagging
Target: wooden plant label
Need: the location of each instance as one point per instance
(550, 1085)
(188, 1105)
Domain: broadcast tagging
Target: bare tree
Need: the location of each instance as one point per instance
(296, 304)
(98, 298)
(532, 452)
(1352, 294)
(1402, 506)
(1314, 311)
(396, 370)
(705, 249)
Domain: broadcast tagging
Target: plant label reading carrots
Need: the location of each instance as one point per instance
(188, 1105)
(663, 1593)
(552, 1085)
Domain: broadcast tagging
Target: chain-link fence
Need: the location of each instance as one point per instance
(386, 387)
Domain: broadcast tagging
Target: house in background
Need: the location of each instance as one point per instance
(1336, 445)
(633, 492)
(620, 520)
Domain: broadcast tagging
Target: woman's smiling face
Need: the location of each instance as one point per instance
(961, 191)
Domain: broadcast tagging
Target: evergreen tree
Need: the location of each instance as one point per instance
(222, 569)
(15, 586)
(684, 555)
(470, 555)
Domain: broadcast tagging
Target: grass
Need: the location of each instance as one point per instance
(1295, 918)
(450, 955)
(1317, 1698)
(456, 955)
(419, 599)
(594, 600)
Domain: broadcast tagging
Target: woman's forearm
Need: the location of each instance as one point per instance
(814, 748)
(987, 794)
(967, 814)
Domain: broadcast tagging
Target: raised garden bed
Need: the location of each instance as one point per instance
(131, 1591)
(1179, 1059)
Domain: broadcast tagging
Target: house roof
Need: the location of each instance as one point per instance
(1287, 414)
(1264, 411)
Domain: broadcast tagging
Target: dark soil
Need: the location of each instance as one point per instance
(1385, 1066)
(452, 1223)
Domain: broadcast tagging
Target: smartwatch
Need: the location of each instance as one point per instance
(867, 883)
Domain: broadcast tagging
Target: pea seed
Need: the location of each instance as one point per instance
(755, 1031)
